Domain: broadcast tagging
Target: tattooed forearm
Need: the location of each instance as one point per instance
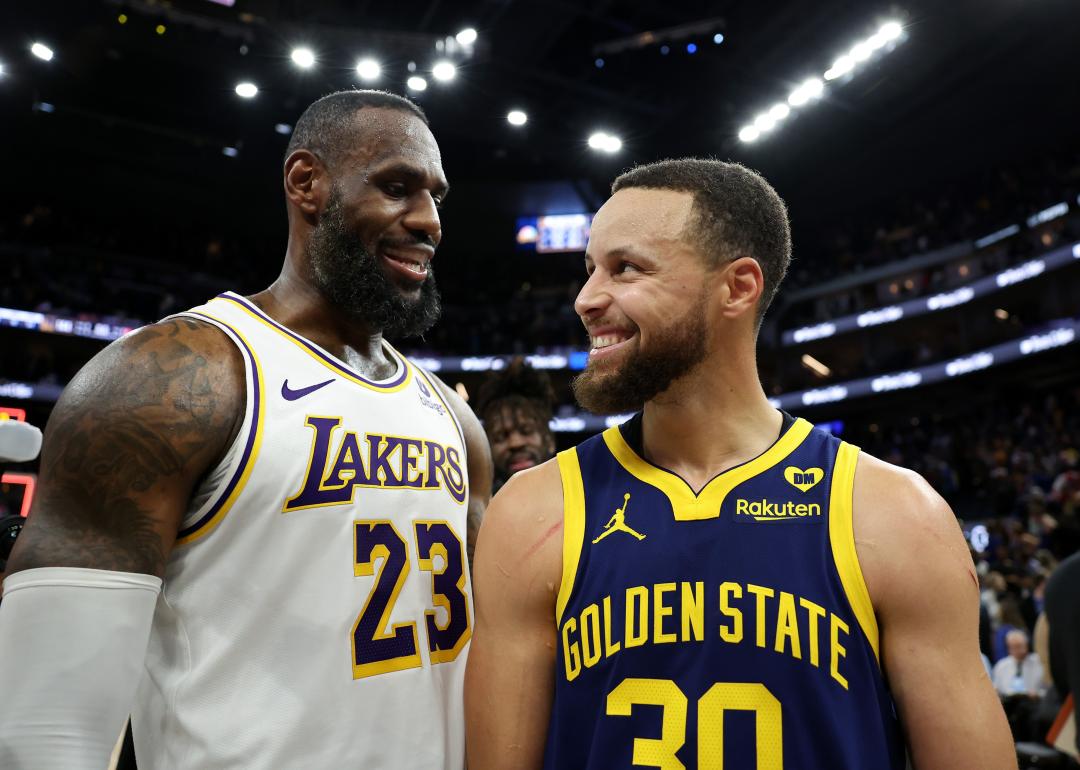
(130, 437)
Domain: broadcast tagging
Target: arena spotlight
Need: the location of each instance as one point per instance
(416, 83)
(304, 58)
(718, 38)
(444, 71)
(42, 51)
(230, 152)
(749, 133)
(246, 90)
(517, 118)
(368, 69)
(283, 128)
(467, 36)
(779, 111)
(842, 66)
(605, 142)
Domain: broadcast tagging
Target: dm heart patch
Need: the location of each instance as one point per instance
(803, 480)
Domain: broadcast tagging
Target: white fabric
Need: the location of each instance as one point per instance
(72, 643)
(251, 659)
(1031, 674)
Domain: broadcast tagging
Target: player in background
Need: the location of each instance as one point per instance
(515, 405)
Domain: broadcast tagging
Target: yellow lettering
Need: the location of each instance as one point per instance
(762, 593)
(661, 611)
(814, 611)
(800, 509)
(610, 648)
(590, 636)
(838, 651)
(728, 591)
(637, 616)
(693, 611)
(571, 655)
(787, 626)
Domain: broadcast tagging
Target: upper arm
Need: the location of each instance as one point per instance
(509, 680)
(478, 453)
(125, 445)
(925, 594)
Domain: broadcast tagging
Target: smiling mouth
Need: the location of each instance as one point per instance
(411, 269)
(605, 344)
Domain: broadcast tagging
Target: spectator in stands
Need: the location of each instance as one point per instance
(515, 405)
(1021, 671)
(1062, 616)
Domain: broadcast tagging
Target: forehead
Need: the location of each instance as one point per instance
(639, 216)
(381, 137)
(509, 415)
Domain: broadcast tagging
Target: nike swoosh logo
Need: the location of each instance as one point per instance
(289, 394)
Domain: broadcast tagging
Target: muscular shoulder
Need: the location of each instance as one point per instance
(181, 371)
(906, 535)
(125, 445)
(520, 543)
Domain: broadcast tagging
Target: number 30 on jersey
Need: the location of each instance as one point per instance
(378, 648)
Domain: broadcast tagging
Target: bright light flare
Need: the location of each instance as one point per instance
(764, 122)
(246, 90)
(842, 66)
(42, 51)
(368, 69)
(517, 118)
(304, 58)
(891, 30)
(605, 142)
(467, 36)
(444, 71)
(779, 111)
(749, 133)
(416, 83)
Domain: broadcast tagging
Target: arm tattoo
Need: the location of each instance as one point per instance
(125, 445)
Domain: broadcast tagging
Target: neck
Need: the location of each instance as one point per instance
(712, 419)
(293, 302)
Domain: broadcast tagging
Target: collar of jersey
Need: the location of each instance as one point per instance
(392, 384)
(686, 504)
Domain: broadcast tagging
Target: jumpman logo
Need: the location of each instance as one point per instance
(617, 523)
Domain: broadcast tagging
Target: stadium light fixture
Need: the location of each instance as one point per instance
(467, 36)
(246, 90)
(230, 152)
(304, 58)
(862, 51)
(416, 83)
(368, 69)
(517, 118)
(42, 51)
(749, 134)
(444, 71)
(283, 128)
(605, 142)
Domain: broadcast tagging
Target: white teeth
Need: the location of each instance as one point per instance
(605, 341)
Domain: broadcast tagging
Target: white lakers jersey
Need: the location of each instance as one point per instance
(317, 609)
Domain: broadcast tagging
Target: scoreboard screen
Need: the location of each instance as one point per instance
(555, 233)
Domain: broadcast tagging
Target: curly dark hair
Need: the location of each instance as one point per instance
(736, 213)
(518, 386)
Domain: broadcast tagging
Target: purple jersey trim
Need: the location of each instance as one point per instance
(249, 444)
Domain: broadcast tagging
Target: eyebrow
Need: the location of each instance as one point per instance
(621, 251)
(414, 175)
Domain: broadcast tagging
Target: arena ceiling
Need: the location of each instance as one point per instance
(143, 118)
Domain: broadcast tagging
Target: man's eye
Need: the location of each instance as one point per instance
(627, 267)
(395, 189)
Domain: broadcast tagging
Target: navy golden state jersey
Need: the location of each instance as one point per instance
(726, 629)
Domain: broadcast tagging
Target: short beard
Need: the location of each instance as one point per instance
(674, 351)
(351, 278)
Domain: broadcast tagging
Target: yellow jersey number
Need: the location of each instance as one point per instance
(721, 697)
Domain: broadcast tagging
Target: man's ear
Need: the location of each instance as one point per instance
(745, 284)
(303, 172)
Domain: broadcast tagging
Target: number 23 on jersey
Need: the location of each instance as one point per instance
(377, 647)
